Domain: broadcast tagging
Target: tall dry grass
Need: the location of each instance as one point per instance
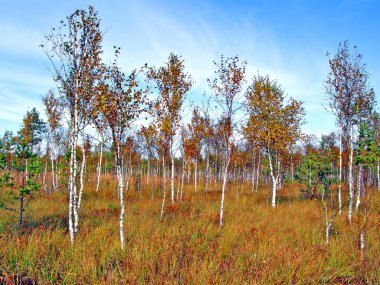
(256, 245)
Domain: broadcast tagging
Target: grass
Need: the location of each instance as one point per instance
(256, 244)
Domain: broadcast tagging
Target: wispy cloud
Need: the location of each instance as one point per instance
(273, 42)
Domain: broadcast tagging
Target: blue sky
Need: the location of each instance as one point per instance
(286, 39)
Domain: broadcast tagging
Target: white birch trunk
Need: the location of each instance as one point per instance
(350, 175)
(53, 174)
(309, 176)
(279, 178)
(253, 173)
(207, 170)
(225, 174)
(152, 182)
(253, 180)
(258, 173)
(75, 198)
(120, 180)
(74, 208)
(72, 181)
(45, 170)
(148, 176)
(182, 177)
(81, 176)
(195, 174)
(188, 173)
(274, 181)
(172, 181)
(70, 190)
(358, 193)
(327, 222)
(292, 168)
(56, 175)
(164, 188)
(215, 174)
(340, 173)
(99, 168)
(362, 245)
(378, 175)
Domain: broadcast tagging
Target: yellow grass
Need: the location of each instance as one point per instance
(256, 244)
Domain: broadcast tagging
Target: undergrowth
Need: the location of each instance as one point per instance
(256, 244)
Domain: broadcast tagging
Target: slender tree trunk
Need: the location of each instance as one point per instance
(56, 175)
(258, 173)
(378, 175)
(172, 182)
(207, 170)
(72, 188)
(362, 246)
(148, 174)
(253, 172)
(26, 170)
(71, 198)
(73, 210)
(164, 187)
(120, 180)
(172, 174)
(215, 174)
(75, 197)
(21, 215)
(52, 179)
(225, 174)
(274, 181)
(327, 222)
(188, 173)
(309, 174)
(81, 176)
(358, 193)
(340, 173)
(253, 180)
(363, 229)
(279, 177)
(196, 174)
(292, 168)
(152, 182)
(182, 179)
(53, 173)
(99, 166)
(45, 169)
(350, 175)
(180, 183)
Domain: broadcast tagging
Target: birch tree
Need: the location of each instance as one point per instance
(172, 83)
(196, 129)
(375, 121)
(366, 152)
(349, 98)
(227, 88)
(120, 102)
(149, 136)
(53, 110)
(275, 123)
(74, 50)
(99, 122)
(207, 134)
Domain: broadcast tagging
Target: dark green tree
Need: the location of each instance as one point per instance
(26, 163)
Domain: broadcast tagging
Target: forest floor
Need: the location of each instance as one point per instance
(256, 244)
